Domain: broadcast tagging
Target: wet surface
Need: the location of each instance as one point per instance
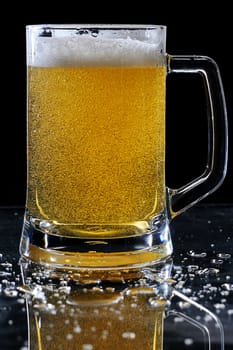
(201, 270)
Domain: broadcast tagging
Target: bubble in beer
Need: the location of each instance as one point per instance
(77, 329)
(69, 336)
(129, 335)
(87, 347)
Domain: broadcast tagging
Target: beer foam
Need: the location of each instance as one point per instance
(91, 51)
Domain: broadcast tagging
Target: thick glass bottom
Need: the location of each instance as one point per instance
(96, 253)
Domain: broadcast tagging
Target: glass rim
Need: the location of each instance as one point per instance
(73, 26)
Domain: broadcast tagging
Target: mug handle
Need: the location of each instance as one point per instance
(207, 324)
(186, 196)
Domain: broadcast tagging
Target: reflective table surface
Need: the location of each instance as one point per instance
(186, 303)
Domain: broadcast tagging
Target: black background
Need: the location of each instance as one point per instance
(192, 28)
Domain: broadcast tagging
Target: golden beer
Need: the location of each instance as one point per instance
(96, 144)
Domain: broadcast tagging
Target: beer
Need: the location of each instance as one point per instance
(96, 146)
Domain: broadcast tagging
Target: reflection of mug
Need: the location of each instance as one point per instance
(96, 193)
(83, 312)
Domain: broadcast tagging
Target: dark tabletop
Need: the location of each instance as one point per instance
(202, 269)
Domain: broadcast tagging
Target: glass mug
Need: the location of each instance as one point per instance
(96, 192)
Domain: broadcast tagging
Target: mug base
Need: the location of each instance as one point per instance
(96, 254)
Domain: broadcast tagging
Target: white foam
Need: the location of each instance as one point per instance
(91, 51)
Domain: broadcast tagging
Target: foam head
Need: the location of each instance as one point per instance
(49, 46)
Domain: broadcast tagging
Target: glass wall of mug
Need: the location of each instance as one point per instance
(96, 192)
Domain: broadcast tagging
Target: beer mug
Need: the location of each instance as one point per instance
(96, 191)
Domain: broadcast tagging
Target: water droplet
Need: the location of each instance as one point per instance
(227, 286)
(63, 283)
(192, 268)
(184, 305)
(177, 268)
(230, 312)
(20, 300)
(213, 271)
(224, 256)
(10, 293)
(44, 307)
(194, 298)
(129, 335)
(216, 262)
(188, 341)
(46, 226)
(155, 302)
(187, 291)
(64, 289)
(219, 306)
(208, 318)
(202, 272)
(213, 289)
(4, 274)
(178, 319)
(10, 322)
(194, 254)
(224, 293)
(6, 264)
